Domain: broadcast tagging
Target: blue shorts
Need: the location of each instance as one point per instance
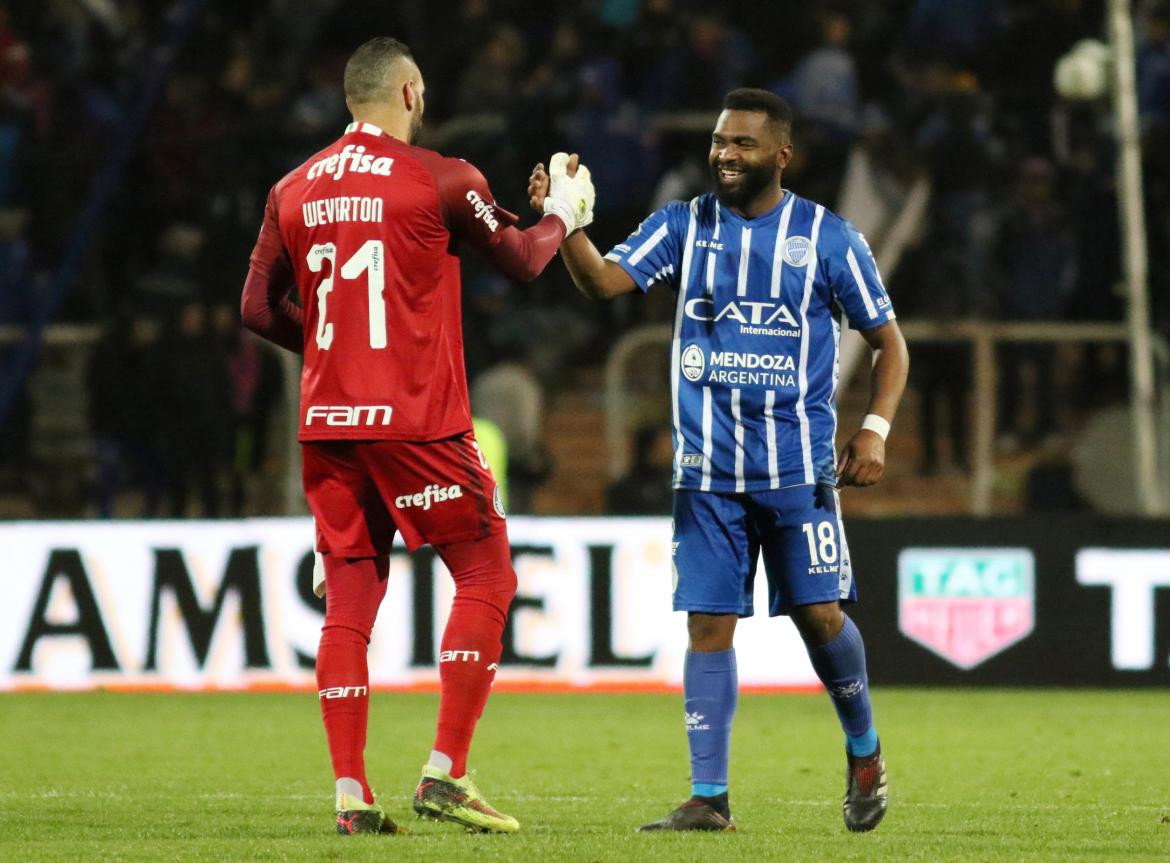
(718, 538)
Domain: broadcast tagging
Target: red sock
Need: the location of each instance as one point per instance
(354, 589)
(484, 586)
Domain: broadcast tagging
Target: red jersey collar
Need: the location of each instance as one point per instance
(368, 128)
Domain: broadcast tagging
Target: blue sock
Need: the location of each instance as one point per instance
(711, 690)
(840, 665)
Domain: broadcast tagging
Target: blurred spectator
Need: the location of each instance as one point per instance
(255, 380)
(1153, 69)
(823, 91)
(121, 406)
(17, 282)
(645, 489)
(490, 80)
(1036, 264)
(195, 418)
(957, 33)
(954, 142)
(509, 395)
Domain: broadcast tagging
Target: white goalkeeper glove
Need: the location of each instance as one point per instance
(570, 199)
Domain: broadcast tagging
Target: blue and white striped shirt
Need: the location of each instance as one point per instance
(756, 329)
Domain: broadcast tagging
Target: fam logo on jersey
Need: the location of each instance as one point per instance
(966, 604)
(349, 415)
(693, 363)
(754, 318)
(795, 252)
(432, 494)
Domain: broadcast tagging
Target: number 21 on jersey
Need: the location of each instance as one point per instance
(369, 259)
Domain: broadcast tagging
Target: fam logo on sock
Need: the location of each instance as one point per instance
(343, 692)
(695, 722)
(459, 656)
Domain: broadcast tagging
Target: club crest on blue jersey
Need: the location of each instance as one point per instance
(796, 251)
(693, 363)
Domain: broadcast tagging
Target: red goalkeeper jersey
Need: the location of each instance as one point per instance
(366, 231)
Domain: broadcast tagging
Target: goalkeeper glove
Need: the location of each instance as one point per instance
(570, 199)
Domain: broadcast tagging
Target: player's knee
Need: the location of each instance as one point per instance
(346, 630)
(711, 632)
(819, 623)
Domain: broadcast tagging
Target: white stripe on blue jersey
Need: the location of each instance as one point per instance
(648, 246)
(675, 349)
(711, 254)
(770, 438)
(737, 415)
(745, 256)
(781, 236)
(754, 354)
(806, 453)
(708, 440)
(864, 291)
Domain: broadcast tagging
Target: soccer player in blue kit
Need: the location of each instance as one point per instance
(762, 277)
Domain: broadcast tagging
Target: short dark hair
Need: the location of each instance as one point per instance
(368, 67)
(752, 99)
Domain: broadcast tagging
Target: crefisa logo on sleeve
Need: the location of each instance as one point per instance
(966, 604)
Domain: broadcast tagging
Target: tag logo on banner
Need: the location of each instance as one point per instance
(966, 604)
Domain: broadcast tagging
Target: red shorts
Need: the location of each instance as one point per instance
(361, 492)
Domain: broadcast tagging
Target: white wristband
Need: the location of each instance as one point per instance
(876, 424)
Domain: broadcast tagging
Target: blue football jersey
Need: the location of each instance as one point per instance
(756, 331)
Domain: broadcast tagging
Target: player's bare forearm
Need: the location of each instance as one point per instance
(891, 365)
(593, 275)
(863, 459)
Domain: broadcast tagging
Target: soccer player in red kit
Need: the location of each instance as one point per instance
(365, 232)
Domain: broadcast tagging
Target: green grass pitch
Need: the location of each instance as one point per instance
(993, 775)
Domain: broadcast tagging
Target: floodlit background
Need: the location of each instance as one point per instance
(1013, 180)
(138, 141)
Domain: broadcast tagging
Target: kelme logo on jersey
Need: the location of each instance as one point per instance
(754, 318)
(353, 160)
(429, 496)
(692, 363)
(796, 251)
(966, 604)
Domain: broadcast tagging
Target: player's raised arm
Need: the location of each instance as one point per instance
(593, 275)
(474, 216)
(266, 306)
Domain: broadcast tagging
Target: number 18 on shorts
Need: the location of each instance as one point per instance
(718, 538)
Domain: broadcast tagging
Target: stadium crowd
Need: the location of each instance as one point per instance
(1021, 222)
